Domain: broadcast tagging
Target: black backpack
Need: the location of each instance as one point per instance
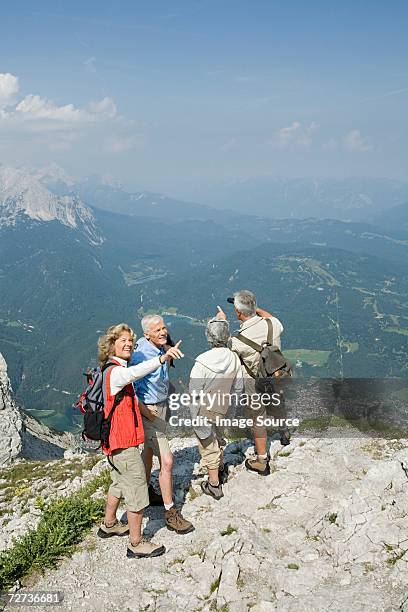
(91, 403)
(272, 362)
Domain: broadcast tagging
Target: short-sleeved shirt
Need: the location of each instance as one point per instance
(256, 329)
(153, 388)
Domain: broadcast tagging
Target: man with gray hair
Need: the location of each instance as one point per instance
(215, 377)
(152, 392)
(254, 327)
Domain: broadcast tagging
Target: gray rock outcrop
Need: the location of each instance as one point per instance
(327, 530)
(21, 436)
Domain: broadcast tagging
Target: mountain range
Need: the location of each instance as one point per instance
(76, 257)
(348, 199)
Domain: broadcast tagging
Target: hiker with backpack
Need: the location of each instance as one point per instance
(122, 433)
(217, 376)
(259, 331)
(152, 391)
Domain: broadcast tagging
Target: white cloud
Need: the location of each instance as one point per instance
(106, 108)
(34, 108)
(353, 141)
(8, 89)
(297, 135)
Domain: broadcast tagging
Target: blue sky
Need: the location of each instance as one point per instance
(172, 95)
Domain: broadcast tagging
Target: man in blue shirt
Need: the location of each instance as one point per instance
(152, 392)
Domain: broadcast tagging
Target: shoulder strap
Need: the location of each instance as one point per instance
(109, 365)
(249, 371)
(257, 347)
(270, 331)
(248, 342)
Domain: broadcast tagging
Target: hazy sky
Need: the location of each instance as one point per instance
(170, 95)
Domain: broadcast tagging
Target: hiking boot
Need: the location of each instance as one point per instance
(212, 490)
(284, 435)
(154, 498)
(144, 548)
(117, 529)
(223, 474)
(176, 522)
(258, 465)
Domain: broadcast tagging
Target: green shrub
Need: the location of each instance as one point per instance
(61, 527)
(228, 531)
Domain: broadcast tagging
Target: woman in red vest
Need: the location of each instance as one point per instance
(126, 434)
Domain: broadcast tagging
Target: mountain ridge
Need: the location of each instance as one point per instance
(22, 194)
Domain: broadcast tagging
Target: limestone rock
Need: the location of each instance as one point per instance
(21, 436)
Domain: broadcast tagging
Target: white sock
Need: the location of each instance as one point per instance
(168, 506)
(265, 456)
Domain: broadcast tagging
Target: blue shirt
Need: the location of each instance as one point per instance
(154, 387)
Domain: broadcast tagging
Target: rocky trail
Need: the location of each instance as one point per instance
(327, 530)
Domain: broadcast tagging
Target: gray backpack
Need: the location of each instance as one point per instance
(272, 362)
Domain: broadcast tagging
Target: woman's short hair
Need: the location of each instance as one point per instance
(107, 341)
(217, 332)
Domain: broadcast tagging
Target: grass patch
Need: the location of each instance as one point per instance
(271, 505)
(193, 493)
(364, 425)
(229, 530)
(380, 449)
(313, 538)
(18, 478)
(214, 585)
(293, 566)
(396, 556)
(317, 424)
(375, 449)
(403, 331)
(332, 518)
(351, 347)
(27, 471)
(61, 527)
(176, 561)
(310, 356)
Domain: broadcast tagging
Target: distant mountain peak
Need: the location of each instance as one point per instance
(54, 173)
(23, 194)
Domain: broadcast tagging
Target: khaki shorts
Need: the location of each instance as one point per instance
(253, 413)
(130, 482)
(155, 432)
(212, 451)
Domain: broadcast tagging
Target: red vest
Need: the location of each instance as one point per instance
(126, 425)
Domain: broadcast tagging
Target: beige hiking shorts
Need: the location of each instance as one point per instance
(155, 432)
(252, 412)
(129, 482)
(212, 450)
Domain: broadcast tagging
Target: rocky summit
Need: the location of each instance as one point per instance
(327, 530)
